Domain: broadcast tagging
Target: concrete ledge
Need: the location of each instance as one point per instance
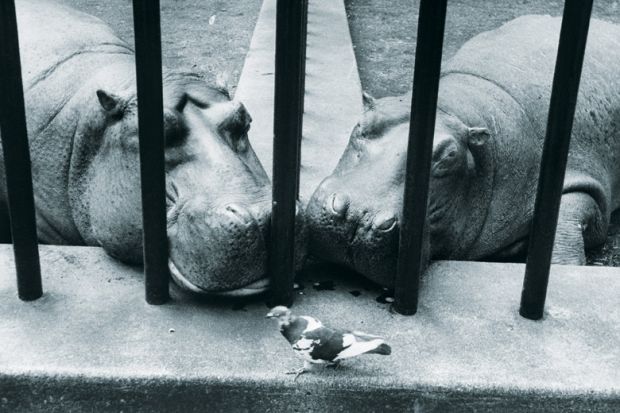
(92, 343)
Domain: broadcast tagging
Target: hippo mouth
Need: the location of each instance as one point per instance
(257, 287)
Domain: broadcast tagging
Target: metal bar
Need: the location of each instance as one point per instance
(573, 36)
(431, 22)
(17, 159)
(151, 135)
(287, 133)
(302, 84)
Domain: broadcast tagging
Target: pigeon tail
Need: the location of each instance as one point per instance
(382, 346)
(357, 343)
(383, 349)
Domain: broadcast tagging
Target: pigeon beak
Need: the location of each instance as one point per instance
(269, 315)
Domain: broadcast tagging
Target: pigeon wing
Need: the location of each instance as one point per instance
(328, 343)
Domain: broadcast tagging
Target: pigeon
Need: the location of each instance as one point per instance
(317, 344)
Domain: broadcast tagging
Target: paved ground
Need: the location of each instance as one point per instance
(212, 37)
(467, 349)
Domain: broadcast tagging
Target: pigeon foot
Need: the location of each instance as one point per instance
(297, 372)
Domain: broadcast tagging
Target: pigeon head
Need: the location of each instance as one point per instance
(280, 312)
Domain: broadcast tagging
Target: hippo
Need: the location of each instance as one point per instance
(491, 120)
(80, 97)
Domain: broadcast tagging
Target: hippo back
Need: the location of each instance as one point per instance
(61, 51)
(502, 80)
(51, 34)
(525, 69)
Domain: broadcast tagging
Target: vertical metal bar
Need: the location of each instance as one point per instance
(17, 158)
(573, 36)
(431, 22)
(302, 84)
(287, 133)
(151, 132)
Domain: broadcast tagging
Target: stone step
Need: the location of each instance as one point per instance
(92, 343)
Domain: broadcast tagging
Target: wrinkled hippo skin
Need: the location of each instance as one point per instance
(79, 83)
(491, 120)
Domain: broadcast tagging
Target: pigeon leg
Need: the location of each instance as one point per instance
(297, 372)
(334, 365)
(300, 371)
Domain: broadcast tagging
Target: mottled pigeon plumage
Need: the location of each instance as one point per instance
(318, 344)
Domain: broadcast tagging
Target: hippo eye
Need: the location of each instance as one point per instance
(174, 129)
(241, 145)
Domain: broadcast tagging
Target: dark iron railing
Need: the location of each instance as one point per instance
(17, 159)
(287, 130)
(302, 83)
(291, 25)
(431, 22)
(151, 131)
(573, 36)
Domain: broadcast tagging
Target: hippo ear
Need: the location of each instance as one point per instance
(369, 101)
(477, 136)
(111, 103)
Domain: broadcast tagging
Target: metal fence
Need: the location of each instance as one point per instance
(291, 25)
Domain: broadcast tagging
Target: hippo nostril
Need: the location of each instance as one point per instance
(240, 213)
(384, 221)
(339, 204)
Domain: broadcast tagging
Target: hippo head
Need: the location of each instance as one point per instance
(218, 194)
(353, 216)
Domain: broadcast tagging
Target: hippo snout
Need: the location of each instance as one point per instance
(223, 250)
(220, 249)
(240, 213)
(337, 209)
(341, 231)
(337, 206)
